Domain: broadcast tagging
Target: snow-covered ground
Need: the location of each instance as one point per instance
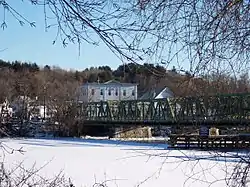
(123, 164)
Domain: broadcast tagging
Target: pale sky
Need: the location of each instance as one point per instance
(35, 45)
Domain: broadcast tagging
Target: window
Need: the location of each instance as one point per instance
(101, 93)
(133, 92)
(109, 92)
(83, 91)
(116, 92)
(93, 91)
(124, 92)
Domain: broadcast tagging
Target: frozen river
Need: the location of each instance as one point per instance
(123, 164)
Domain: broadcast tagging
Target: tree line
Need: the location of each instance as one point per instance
(28, 79)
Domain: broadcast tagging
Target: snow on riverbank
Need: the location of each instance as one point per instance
(125, 164)
(106, 137)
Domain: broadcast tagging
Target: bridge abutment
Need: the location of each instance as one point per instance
(132, 132)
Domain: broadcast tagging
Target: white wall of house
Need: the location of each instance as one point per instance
(38, 111)
(107, 92)
(6, 110)
(131, 93)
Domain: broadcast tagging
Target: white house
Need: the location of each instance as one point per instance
(108, 91)
(20, 103)
(41, 112)
(5, 109)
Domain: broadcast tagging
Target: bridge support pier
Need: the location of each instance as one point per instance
(132, 132)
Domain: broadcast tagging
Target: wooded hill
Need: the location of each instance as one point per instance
(22, 78)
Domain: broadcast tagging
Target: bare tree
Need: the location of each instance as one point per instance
(197, 35)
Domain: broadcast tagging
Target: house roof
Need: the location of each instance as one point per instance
(111, 83)
(151, 94)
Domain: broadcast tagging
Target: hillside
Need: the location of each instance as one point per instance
(53, 83)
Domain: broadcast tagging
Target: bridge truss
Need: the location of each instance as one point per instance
(221, 110)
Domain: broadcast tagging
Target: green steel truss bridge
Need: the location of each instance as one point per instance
(219, 110)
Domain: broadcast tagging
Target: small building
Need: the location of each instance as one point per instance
(20, 103)
(158, 93)
(108, 91)
(5, 109)
(39, 112)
